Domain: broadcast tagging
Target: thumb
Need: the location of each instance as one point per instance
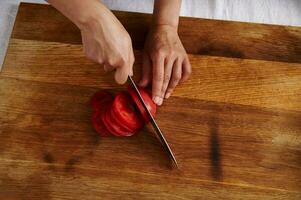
(146, 71)
(121, 74)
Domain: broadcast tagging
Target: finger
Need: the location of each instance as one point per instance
(175, 77)
(85, 44)
(132, 61)
(146, 71)
(167, 75)
(186, 71)
(89, 50)
(122, 72)
(108, 68)
(158, 71)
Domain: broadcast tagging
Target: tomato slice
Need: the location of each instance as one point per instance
(101, 98)
(151, 106)
(124, 112)
(112, 126)
(120, 123)
(119, 128)
(106, 123)
(98, 124)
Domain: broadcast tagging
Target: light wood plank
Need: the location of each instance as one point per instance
(267, 84)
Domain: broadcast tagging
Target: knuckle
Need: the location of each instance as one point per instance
(158, 78)
(121, 61)
(100, 60)
(154, 56)
(132, 59)
(111, 62)
(157, 92)
(172, 54)
(169, 90)
(188, 71)
(89, 55)
(157, 54)
(166, 77)
(176, 78)
(157, 47)
(126, 38)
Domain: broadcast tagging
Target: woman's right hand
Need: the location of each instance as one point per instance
(104, 38)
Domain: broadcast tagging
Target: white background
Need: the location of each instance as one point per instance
(283, 12)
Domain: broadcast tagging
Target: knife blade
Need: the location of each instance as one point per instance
(158, 131)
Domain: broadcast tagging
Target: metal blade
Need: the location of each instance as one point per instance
(155, 126)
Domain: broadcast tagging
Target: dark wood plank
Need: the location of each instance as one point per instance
(239, 81)
(224, 150)
(199, 36)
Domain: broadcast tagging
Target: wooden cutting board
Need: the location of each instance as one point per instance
(235, 126)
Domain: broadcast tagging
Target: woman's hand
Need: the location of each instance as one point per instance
(104, 38)
(165, 62)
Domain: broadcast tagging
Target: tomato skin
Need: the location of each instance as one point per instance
(99, 101)
(112, 126)
(120, 129)
(98, 124)
(152, 107)
(124, 112)
(106, 123)
(120, 123)
(101, 98)
(118, 116)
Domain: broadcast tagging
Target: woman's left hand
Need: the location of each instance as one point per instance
(165, 62)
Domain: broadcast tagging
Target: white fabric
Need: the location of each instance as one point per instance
(284, 12)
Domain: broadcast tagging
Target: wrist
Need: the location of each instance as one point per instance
(168, 23)
(81, 13)
(166, 12)
(162, 25)
(91, 16)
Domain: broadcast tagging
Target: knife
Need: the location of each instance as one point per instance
(158, 132)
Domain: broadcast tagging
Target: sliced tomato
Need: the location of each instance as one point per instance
(112, 126)
(118, 127)
(151, 106)
(106, 123)
(101, 98)
(120, 123)
(98, 124)
(124, 112)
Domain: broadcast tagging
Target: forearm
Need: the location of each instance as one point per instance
(166, 12)
(80, 12)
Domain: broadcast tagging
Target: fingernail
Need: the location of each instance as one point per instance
(160, 102)
(167, 95)
(156, 100)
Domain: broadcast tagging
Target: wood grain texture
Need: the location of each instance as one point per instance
(199, 36)
(230, 80)
(223, 146)
(235, 126)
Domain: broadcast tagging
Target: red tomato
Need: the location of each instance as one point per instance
(106, 123)
(112, 126)
(101, 98)
(151, 106)
(124, 112)
(119, 128)
(113, 115)
(98, 124)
